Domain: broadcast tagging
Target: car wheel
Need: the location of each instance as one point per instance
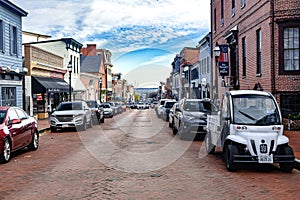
(6, 152)
(53, 129)
(102, 120)
(210, 148)
(287, 167)
(83, 127)
(34, 145)
(91, 123)
(174, 130)
(181, 133)
(170, 125)
(230, 151)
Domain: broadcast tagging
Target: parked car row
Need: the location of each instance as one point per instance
(83, 114)
(187, 118)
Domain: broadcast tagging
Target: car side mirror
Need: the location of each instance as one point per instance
(14, 121)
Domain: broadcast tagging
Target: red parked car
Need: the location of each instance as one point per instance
(17, 130)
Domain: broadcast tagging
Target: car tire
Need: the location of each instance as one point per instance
(174, 130)
(230, 151)
(210, 148)
(53, 129)
(83, 127)
(6, 152)
(287, 167)
(34, 144)
(170, 125)
(91, 123)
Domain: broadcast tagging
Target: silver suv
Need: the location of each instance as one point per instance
(71, 115)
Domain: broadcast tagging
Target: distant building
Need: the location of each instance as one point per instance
(105, 70)
(11, 70)
(69, 50)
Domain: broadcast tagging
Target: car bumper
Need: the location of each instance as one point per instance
(254, 159)
(66, 124)
(108, 114)
(194, 128)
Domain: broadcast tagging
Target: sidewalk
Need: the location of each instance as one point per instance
(43, 125)
(294, 137)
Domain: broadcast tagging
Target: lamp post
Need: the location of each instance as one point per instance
(100, 88)
(70, 74)
(217, 52)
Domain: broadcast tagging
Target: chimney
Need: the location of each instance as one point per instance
(91, 50)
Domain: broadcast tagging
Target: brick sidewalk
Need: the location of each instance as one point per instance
(294, 137)
(43, 124)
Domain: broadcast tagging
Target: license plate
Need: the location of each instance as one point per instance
(65, 125)
(265, 158)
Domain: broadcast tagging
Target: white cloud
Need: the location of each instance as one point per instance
(121, 25)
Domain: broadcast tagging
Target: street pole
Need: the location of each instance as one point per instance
(70, 74)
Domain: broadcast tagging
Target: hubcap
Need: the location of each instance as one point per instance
(35, 140)
(6, 150)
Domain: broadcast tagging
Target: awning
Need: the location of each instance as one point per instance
(45, 85)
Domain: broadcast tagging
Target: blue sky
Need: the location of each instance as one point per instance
(139, 33)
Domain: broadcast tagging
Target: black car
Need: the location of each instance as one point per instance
(97, 111)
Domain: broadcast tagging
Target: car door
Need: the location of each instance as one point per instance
(15, 128)
(87, 111)
(177, 114)
(26, 126)
(225, 118)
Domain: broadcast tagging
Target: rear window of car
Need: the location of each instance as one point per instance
(169, 104)
(197, 106)
(92, 104)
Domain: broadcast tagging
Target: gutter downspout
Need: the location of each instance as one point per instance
(273, 74)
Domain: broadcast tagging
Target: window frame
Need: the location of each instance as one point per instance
(281, 28)
(2, 36)
(244, 56)
(13, 40)
(258, 52)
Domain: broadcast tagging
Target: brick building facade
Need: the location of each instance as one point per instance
(263, 47)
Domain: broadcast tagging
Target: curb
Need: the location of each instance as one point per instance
(42, 130)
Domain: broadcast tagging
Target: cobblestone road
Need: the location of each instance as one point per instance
(135, 156)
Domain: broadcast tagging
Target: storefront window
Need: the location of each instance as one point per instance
(8, 96)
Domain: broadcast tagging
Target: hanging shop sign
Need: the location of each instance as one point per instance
(223, 61)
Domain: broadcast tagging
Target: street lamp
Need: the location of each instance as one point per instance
(100, 88)
(70, 74)
(217, 52)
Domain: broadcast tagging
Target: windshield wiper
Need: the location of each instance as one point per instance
(247, 115)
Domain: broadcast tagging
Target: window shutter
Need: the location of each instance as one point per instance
(11, 39)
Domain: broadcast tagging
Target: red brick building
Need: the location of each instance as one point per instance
(263, 47)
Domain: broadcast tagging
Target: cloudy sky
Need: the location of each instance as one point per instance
(140, 33)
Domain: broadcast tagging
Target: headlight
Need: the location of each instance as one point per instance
(78, 115)
(187, 118)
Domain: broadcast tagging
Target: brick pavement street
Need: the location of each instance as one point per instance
(294, 137)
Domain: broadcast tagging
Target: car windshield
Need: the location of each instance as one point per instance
(197, 106)
(2, 115)
(69, 106)
(255, 110)
(92, 104)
